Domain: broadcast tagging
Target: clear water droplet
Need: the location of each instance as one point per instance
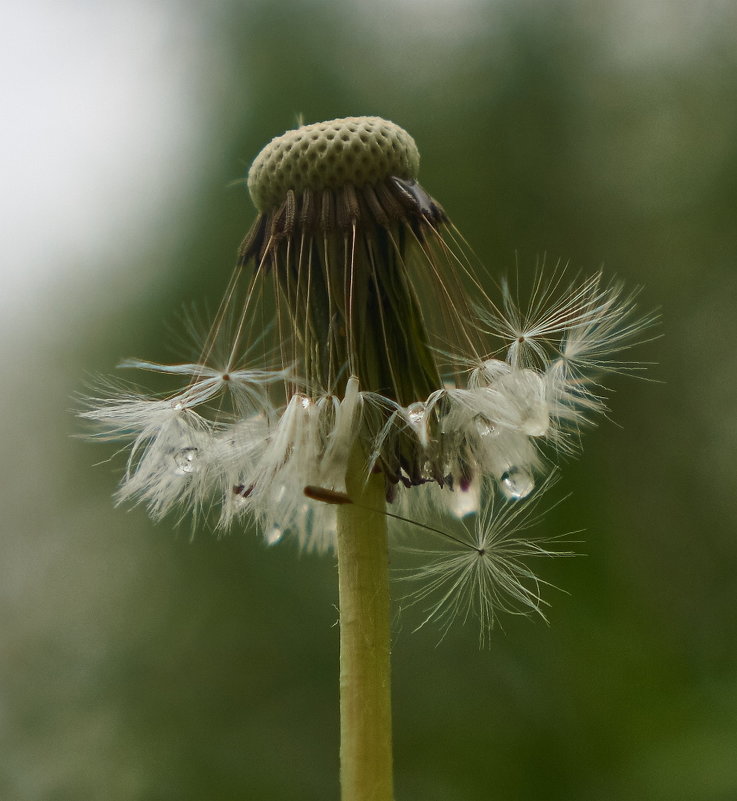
(484, 427)
(536, 423)
(466, 501)
(274, 535)
(516, 483)
(416, 413)
(241, 495)
(428, 470)
(186, 461)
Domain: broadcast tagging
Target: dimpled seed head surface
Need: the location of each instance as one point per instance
(328, 155)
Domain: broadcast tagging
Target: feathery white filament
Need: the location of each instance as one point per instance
(479, 568)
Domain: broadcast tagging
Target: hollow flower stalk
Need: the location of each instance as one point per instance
(358, 351)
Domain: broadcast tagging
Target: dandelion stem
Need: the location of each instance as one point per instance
(365, 694)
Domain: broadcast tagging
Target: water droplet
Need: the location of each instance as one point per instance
(516, 483)
(465, 501)
(484, 427)
(274, 535)
(186, 461)
(535, 424)
(416, 413)
(241, 495)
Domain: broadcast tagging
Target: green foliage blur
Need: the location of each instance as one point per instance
(161, 664)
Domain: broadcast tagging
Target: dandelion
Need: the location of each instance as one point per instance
(358, 353)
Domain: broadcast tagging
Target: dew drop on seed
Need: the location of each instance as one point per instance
(484, 427)
(465, 502)
(416, 413)
(516, 483)
(274, 535)
(535, 424)
(186, 461)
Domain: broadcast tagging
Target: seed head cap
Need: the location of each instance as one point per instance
(329, 155)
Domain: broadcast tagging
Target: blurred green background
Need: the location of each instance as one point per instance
(139, 662)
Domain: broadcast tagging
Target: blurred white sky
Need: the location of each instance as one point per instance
(100, 104)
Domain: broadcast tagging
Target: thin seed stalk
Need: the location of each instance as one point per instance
(365, 691)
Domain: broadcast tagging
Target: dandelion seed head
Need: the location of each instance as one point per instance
(357, 333)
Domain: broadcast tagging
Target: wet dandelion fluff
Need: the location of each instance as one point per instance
(383, 339)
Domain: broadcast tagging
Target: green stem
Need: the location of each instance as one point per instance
(365, 692)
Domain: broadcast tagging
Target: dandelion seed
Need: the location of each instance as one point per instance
(247, 388)
(479, 569)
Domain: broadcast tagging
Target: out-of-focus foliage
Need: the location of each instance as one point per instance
(140, 662)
